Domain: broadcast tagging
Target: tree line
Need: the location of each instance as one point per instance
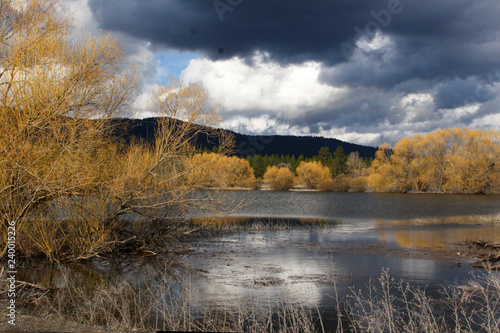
(211, 169)
(453, 160)
(337, 162)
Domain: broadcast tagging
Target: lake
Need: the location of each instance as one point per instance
(415, 236)
(394, 206)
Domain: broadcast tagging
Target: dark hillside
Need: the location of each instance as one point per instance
(144, 129)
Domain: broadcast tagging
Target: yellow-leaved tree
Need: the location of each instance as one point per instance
(381, 176)
(452, 160)
(65, 181)
(217, 170)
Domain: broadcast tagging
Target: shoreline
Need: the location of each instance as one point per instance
(267, 187)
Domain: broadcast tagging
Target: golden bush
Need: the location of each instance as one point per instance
(281, 179)
(327, 185)
(342, 183)
(358, 184)
(452, 160)
(312, 173)
(216, 170)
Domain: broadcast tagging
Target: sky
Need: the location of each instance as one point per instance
(366, 72)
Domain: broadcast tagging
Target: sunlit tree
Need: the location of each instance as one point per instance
(64, 180)
(381, 176)
(451, 160)
(217, 170)
(311, 174)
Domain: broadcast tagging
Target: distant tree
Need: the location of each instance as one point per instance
(285, 165)
(216, 170)
(382, 177)
(339, 161)
(259, 166)
(355, 164)
(325, 157)
(293, 163)
(297, 162)
(406, 166)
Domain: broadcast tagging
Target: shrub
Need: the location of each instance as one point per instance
(358, 184)
(216, 170)
(312, 173)
(341, 183)
(257, 184)
(279, 179)
(327, 185)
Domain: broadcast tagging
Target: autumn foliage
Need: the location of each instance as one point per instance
(65, 181)
(217, 170)
(280, 179)
(311, 174)
(444, 161)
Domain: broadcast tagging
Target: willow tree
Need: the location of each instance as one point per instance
(64, 180)
(452, 160)
(381, 176)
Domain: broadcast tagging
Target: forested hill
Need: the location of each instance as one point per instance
(252, 144)
(295, 145)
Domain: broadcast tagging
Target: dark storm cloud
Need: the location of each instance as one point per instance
(446, 49)
(432, 37)
(458, 93)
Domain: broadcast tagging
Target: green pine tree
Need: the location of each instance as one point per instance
(339, 161)
(325, 157)
(259, 166)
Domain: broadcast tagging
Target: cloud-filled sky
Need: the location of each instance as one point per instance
(362, 71)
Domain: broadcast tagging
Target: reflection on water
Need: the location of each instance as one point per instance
(311, 265)
(348, 239)
(437, 234)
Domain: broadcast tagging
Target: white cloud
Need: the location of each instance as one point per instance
(487, 122)
(84, 20)
(238, 86)
(417, 107)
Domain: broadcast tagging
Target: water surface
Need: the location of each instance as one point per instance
(415, 236)
(363, 205)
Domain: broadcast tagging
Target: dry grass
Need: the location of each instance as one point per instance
(385, 305)
(169, 306)
(227, 225)
(388, 305)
